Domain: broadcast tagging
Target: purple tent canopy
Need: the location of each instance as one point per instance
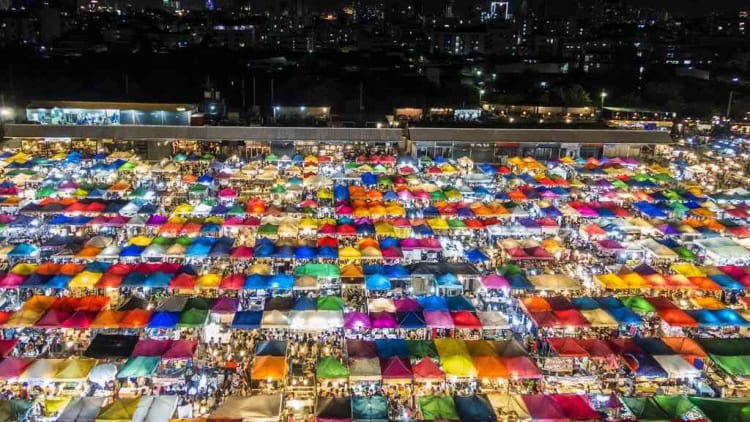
(156, 220)
(361, 349)
(407, 304)
(225, 305)
(438, 319)
(395, 368)
(585, 211)
(383, 320)
(356, 321)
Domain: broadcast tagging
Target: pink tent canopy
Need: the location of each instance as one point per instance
(438, 319)
(7, 346)
(409, 244)
(227, 193)
(53, 318)
(392, 253)
(233, 221)
(344, 210)
(544, 408)
(383, 320)
(495, 282)
(156, 220)
(430, 243)
(395, 368)
(242, 252)
(11, 281)
(181, 349)
(405, 195)
(13, 367)
(356, 321)
(151, 347)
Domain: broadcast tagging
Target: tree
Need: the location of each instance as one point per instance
(575, 95)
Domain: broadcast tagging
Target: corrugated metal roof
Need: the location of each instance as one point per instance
(581, 136)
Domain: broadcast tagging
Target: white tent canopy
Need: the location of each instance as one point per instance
(275, 319)
(155, 408)
(258, 408)
(315, 320)
(493, 320)
(364, 369)
(677, 367)
(82, 409)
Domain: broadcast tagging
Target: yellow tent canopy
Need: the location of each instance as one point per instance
(121, 410)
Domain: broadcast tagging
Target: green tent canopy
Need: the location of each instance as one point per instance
(139, 367)
(45, 192)
(271, 158)
(268, 229)
(179, 157)
(724, 410)
(198, 187)
(236, 209)
(684, 253)
(638, 304)
(184, 241)
(661, 408)
(202, 303)
(129, 166)
(278, 189)
(456, 223)
(330, 368)
(438, 407)
(738, 366)
(317, 270)
(193, 318)
(15, 410)
(163, 241)
(509, 269)
(419, 349)
(330, 303)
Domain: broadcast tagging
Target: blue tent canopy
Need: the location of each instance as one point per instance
(487, 168)
(705, 318)
(388, 242)
(200, 247)
(305, 252)
(476, 255)
(653, 346)
(327, 252)
(474, 408)
(281, 282)
(22, 249)
(134, 279)
(368, 179)
(221, 249)
(422, 230)
(390, 196)
(255, 282)
(430, 212)
(624, 316)
(433, 303)
(649, 209)
(448, 280)
(164, 320)
(364, 228)
(729, 317)
(370, 269)
(305, 304)
(585, 303)
(59, 281)
(35, 281)
(264, 250)
(726, 282)
(246, 319)
(285, 252)
(340, 193)
(459, 303)
(377, 282)
(396, 271)
(411, 320)
(158, 280)
(519, 282)
(97, 266)
(648, 367)
(210, 228)
(271, 348)
(609, 302)
(392, 348)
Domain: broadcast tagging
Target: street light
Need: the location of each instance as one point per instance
(481, 92)
(603, 95)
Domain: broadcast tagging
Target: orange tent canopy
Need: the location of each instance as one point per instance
(490, 367)
(269, 368)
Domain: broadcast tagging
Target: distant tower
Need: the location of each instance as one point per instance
(500, 9)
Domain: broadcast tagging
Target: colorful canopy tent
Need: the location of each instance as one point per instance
(330, 368)
(438, 408)
(662, 408)
(258, 408)
(83, 409)
(369, 409)
(474, 408)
